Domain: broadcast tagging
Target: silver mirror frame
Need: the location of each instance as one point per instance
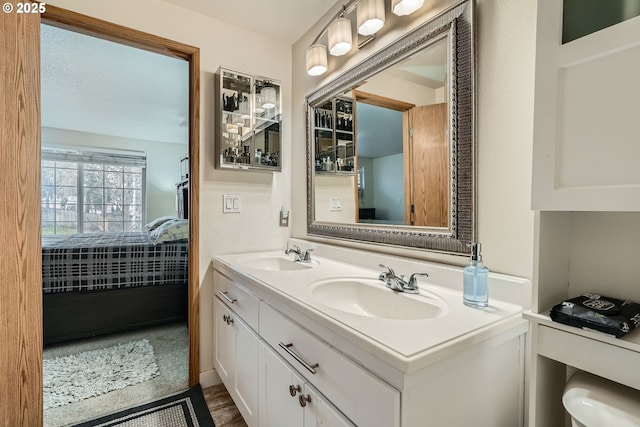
(458, 23)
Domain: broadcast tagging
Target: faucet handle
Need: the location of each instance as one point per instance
(296, 249)
(307, 254)
(386, 274)
(413, 280)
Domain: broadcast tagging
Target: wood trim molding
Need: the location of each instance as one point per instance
(106, 30)
(20, 253)
(381, 101)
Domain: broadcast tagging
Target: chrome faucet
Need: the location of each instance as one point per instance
(300, 256)
(397, 283)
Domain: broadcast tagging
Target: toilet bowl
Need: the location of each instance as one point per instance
(592, 401)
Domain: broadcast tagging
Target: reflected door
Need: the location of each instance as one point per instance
(427, 167)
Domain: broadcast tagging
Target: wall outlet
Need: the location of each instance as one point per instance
(231, 203)
(335, 204)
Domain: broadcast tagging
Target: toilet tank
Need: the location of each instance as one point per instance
(592, 401)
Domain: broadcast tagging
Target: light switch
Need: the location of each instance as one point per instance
(231, 203)
(335, 204)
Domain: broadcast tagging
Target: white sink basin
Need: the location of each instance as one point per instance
(370, 298)
(273, 263)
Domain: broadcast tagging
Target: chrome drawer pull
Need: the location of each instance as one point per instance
(227, 319)
(294, 389)
(226, 297)
(308, 367)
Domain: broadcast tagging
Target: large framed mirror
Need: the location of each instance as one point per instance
(408, 178)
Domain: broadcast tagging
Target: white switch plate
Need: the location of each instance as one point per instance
(335, 204)
(231, 203)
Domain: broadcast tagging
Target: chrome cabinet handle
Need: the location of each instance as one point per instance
(294, 389)
(300, 360)
(304, 399)
(224, 295)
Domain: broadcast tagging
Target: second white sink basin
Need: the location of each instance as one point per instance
(273, 263)
(370, 298)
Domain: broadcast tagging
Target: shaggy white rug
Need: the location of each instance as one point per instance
(91, 373)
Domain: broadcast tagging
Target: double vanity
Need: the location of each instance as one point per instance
(325, 341)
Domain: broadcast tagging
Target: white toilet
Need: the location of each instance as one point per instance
(596, 402)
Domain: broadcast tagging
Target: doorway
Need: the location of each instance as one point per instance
(85, 25)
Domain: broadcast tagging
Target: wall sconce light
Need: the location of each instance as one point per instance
(316, 59)
(370, 17)
(340, 37)
(405, 7)
(268, 94)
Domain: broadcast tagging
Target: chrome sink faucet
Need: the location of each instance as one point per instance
(397, 283)
(300, 255)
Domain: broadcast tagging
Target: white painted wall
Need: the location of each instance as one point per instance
(505, 76)
(262, 194)
(163, 163)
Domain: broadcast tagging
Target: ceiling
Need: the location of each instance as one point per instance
(285, 20)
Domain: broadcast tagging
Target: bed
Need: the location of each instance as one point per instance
(100, 283)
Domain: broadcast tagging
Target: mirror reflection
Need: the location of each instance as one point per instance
(382, 150)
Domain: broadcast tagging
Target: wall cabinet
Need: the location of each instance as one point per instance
(585, 117)
(248, 117)
(333, 133)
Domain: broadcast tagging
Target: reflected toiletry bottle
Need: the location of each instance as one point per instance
(475, 280)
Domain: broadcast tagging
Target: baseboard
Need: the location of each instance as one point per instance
(209, 378)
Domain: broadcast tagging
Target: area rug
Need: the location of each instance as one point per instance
(186, 409)
(92, 373)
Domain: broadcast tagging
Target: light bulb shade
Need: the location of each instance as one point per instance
(268, 94)
(244, 109)
(316, 59)
(370, 16)
(340, 37)
(405, 7)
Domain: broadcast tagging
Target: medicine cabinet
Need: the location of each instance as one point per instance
(333, 133)
(249, 116)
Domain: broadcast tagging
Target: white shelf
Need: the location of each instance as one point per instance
(595, 352)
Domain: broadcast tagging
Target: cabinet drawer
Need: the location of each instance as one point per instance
(360, 395)
(237, 298)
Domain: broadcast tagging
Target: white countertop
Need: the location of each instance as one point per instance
(407, 345)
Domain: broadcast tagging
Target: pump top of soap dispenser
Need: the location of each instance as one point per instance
(475, 252)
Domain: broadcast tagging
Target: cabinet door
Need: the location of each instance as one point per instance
(278, 407)
(319, 412)
(245, 384)
(585, 134)
(224, 344)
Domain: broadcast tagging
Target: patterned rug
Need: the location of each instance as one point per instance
(92, 373)
(186, 409)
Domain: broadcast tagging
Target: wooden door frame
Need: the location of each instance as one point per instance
(117, 33)
(404, 108)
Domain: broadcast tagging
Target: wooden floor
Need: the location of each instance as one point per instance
(223, 410)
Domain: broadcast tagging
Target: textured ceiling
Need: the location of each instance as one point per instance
(97, 86)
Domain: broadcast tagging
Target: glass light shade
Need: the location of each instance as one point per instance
(268, 94)
(340, 38)
(405, 7)
(316, 59)
(244, 109)
(370, 16)
(237, 119)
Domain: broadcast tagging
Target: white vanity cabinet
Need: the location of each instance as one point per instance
(236, 347)
(287, 400)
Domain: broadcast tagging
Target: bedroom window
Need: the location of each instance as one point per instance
(85, 192)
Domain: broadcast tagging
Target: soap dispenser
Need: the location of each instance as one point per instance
(475, 280)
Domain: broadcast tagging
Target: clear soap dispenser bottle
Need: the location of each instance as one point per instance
(475, 280)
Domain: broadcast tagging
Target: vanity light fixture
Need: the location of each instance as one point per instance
(405, 7)
(244, 109)
(268, 94)
(340, 37)
(370, 17)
